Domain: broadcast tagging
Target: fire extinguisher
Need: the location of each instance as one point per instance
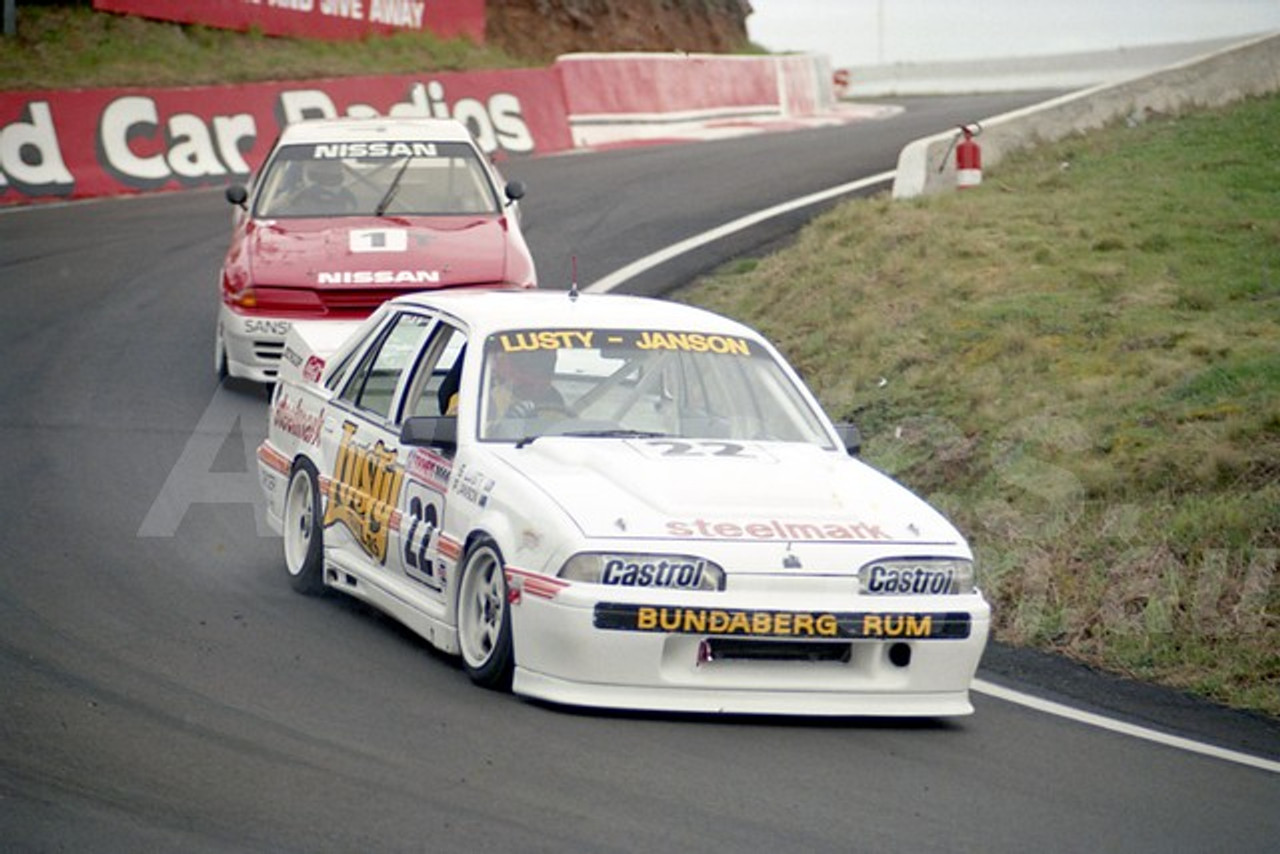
(968, 157)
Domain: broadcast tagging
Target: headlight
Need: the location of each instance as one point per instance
(673, 572)
(902, 576)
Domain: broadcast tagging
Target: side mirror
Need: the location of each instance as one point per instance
(515, 191)
(850, 437)
(238, 195)
(435, 431)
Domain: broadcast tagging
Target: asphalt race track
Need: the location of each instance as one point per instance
(163, 689)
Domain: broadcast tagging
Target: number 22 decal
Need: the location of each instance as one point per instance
(700, 449)
(424, 517)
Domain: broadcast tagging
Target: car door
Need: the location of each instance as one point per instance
(367, 475)
(433, 392)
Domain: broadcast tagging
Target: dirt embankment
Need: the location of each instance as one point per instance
(543, 29)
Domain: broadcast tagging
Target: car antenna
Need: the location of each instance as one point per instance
(573, 284)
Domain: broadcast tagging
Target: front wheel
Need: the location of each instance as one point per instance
(484, 618)
(303, 530)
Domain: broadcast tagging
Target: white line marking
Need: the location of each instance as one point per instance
(635, 268)
(1058, 709)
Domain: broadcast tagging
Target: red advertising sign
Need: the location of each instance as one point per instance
(320, 19)
(92, 142)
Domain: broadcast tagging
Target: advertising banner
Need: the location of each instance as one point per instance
(80, 143)
(319, 19)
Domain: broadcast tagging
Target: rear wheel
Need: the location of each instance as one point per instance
(484, 618)
(303, 533)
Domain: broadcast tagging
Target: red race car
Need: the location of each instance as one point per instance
(348, 213)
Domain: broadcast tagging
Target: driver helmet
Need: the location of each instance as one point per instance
(326, 173)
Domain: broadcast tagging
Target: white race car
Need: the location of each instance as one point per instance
(617, 502)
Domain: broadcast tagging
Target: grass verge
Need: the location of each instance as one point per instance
(1079, 362)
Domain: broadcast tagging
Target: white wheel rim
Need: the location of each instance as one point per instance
(298, 521)
(481, 606)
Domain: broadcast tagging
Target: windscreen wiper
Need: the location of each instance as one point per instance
(392, 190)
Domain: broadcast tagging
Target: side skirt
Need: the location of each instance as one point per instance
(396, 598)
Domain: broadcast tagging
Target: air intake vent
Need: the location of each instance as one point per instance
(729, 649)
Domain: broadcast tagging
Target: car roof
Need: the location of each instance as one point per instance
(375, 128)
(488, 311)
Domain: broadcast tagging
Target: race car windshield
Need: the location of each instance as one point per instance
(612, 383)
(375, 178)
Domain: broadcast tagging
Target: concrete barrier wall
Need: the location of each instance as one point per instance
(637, 85)
(1063, 71)
(804, 84)
(624, 97)
(927, 166)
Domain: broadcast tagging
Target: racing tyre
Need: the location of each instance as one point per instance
(303, 531)
(484, 618)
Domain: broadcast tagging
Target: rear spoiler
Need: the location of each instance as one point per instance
(309, 347)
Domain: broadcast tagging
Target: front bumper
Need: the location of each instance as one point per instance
(904, 667)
